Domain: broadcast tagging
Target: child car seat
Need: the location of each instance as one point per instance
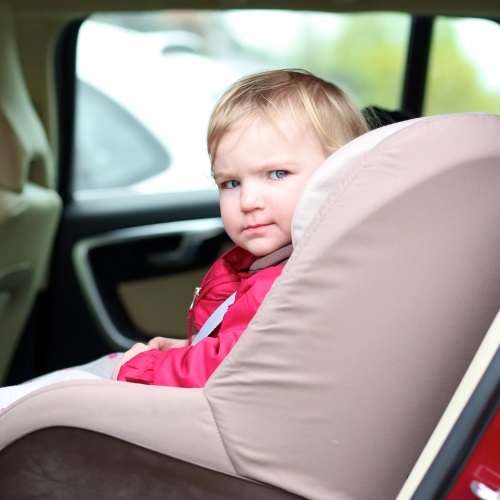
(340, 379)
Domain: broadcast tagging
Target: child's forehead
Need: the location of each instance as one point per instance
(257, 144)
(280, 120)
(282, 127)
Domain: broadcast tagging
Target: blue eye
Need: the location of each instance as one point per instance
(278, 174)
(230, 184)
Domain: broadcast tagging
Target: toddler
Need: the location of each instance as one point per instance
(267, 135)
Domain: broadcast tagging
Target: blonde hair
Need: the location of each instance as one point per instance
(334, 118)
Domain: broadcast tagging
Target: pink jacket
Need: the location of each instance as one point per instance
(191, 366)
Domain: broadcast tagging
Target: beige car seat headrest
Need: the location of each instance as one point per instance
(333, 174)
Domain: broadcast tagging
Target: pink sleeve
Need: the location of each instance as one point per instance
(189, 366)
(192, 366)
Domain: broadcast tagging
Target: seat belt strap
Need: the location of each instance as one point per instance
(215, 319)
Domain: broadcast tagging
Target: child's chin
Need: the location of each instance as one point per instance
(262, 249)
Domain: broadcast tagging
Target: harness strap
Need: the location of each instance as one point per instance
(215, 319)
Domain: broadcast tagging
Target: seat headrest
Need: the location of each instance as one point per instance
(341, 168)
(24, 149)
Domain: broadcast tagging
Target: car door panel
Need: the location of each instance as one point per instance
(150, 303)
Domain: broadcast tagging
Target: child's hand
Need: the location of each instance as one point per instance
(134, 351)
(164, 344)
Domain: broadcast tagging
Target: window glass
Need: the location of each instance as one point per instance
(464, 74)
(109, 135)
(147, 83)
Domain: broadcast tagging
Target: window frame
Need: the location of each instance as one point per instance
(412, 92)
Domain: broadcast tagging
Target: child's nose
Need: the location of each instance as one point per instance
(251, 198)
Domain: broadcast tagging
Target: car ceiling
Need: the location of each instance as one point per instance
(37, 8)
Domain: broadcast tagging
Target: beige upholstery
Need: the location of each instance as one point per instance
(482, 360)
(343, 374)
(29, 206)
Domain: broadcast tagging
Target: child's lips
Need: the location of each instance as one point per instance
(256, 228)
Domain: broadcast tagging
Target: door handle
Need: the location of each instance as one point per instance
(187, 250)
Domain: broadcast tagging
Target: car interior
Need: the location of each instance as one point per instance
(378, 376)
(30, 204)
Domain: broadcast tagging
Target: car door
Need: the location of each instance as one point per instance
(141, 219)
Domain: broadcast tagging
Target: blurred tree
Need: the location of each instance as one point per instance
(454, 83)
(366, 55)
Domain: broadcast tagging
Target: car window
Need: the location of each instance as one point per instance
(112, 148)
(148, 81)
(464, 74)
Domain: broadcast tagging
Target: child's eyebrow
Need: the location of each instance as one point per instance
(225, 174)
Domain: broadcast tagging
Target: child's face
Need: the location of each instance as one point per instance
(260, 174)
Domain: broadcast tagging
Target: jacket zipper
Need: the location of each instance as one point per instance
(195, 295)
(204, 286)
